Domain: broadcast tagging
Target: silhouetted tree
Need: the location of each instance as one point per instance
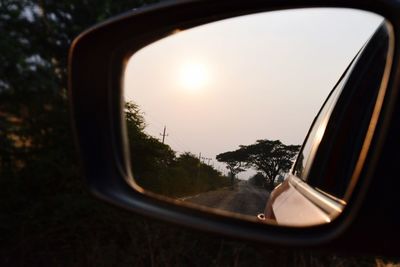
(235, 161)
(271, 157)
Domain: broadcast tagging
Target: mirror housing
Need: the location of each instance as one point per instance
(96, 101)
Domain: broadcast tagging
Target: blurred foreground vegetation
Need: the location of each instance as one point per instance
(47, 217)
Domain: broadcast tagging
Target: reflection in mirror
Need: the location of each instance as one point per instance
(217, 114)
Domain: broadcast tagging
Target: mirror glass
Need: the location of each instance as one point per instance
(217, 114)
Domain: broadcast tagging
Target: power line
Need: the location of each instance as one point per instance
(173, 137)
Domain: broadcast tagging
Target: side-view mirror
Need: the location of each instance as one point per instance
(256, 121)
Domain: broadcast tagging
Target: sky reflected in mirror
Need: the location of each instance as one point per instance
(236, 87)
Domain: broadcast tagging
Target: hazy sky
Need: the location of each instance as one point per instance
(232, 82)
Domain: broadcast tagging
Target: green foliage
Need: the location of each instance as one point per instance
(34, 119)
(47, 218)
(156, 167)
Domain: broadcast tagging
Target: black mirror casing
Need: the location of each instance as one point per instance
(368, 224)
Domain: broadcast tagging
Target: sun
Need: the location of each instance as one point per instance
(193, 76)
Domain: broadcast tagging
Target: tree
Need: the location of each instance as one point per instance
(156, 167)
(235, 161)
(34, 116)
(271, 157)
(258, 180)
(149, 157)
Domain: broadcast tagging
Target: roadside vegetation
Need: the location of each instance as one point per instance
(157, 168)
(47, 216)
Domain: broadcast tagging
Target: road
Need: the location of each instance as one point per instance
(244, 198)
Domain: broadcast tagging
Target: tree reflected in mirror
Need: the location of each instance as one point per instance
(271, 158)
(217, 114)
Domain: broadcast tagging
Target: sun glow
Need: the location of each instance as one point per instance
(193, 76)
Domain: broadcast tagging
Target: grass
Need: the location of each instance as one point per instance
(78, 230)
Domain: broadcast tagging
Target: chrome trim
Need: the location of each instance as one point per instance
(338, 200)
(328, 205)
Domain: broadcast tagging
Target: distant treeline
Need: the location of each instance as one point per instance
(156, 167)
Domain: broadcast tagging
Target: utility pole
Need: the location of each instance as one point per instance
(198, 169)
(204, 159)
(163, 134)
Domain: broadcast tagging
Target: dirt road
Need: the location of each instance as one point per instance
(244, 198)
